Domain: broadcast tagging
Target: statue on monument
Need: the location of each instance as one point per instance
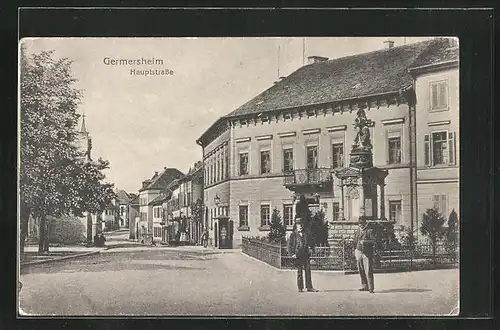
(362, 141)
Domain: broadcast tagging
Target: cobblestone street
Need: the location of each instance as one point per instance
(156, 281)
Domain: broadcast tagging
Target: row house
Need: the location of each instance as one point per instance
(133, 216)
(184, 208)
(301, 128)
(150, 190)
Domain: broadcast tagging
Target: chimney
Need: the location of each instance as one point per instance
(389, 44)
(316, 59)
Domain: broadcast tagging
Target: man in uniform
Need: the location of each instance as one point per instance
(364, 240)
(300, 246)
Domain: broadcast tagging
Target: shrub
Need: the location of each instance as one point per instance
(432, 227)
(451, 235)
(319, 229)
(277, 232)
(66, 230)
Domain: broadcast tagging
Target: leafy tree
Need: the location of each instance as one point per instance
(432, 227)
(277, 231)
(54, 179)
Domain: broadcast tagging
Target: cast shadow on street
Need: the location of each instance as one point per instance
(402, 290)
(379, 291)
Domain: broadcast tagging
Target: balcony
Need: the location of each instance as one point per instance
(316, 178)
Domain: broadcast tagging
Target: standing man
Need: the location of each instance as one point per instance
(365, 241)
(300, 246)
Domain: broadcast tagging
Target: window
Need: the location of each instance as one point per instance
(440, 203)
(440, 148)
(243, 163)
(157, 232)
(312, 157)
(122, 210)
(217, 178)
(243, 211)
(439, 95)
(394, 144)
(395, 211)
(288, 215)
(337, 155)
(264, 215)
(287, 160)
(336, 211)
(265, 162)
(157, 212)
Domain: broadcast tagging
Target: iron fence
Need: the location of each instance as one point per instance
(341, 257)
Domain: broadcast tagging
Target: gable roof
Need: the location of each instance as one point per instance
(349, 77)
(122, 196)
(162, 180)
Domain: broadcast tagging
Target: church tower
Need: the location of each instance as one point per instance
(84, 141)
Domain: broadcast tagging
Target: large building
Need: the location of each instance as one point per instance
(304, 122)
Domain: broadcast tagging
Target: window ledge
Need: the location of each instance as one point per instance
(265, 228)
(439, 109)
(243, 228)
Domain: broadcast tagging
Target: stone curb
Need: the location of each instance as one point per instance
(77, 255)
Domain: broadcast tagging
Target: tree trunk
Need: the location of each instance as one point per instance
(89, 229)
(23, 234)
(47, 236)
(25, 216)
(42, 224)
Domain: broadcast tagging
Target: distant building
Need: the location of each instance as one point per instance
(151, 189)
(301, 129)
(133, 215)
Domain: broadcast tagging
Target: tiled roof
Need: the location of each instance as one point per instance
(162, 180)
(348, 77)
(159, 199)
(122, 196)
(438, 53)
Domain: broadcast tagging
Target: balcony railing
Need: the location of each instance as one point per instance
(312, 176)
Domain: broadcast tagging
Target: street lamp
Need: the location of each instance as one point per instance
(216, 200)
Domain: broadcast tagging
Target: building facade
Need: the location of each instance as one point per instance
(150, 190)
(437, 131)
(303, 125)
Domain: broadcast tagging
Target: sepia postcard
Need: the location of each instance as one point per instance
(251, 176)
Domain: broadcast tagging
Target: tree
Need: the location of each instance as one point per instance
(432, 227)
(451, 233)
(319, 228)
(277, 231)
(54, 180)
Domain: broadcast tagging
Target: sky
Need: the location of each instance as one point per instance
(141, 124)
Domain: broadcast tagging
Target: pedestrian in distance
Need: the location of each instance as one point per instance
(364, 240)
(300, 247)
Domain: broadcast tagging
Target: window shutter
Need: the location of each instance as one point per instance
(434, 98)
(442, 95)
(452, 148)
(427, 150)
(443, 205)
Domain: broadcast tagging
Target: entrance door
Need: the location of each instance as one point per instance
(225, 234)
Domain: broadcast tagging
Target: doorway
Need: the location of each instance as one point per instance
(224, 232)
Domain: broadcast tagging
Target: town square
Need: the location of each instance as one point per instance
(206, 176)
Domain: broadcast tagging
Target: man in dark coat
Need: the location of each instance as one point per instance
(300, 246)
(364, 240)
